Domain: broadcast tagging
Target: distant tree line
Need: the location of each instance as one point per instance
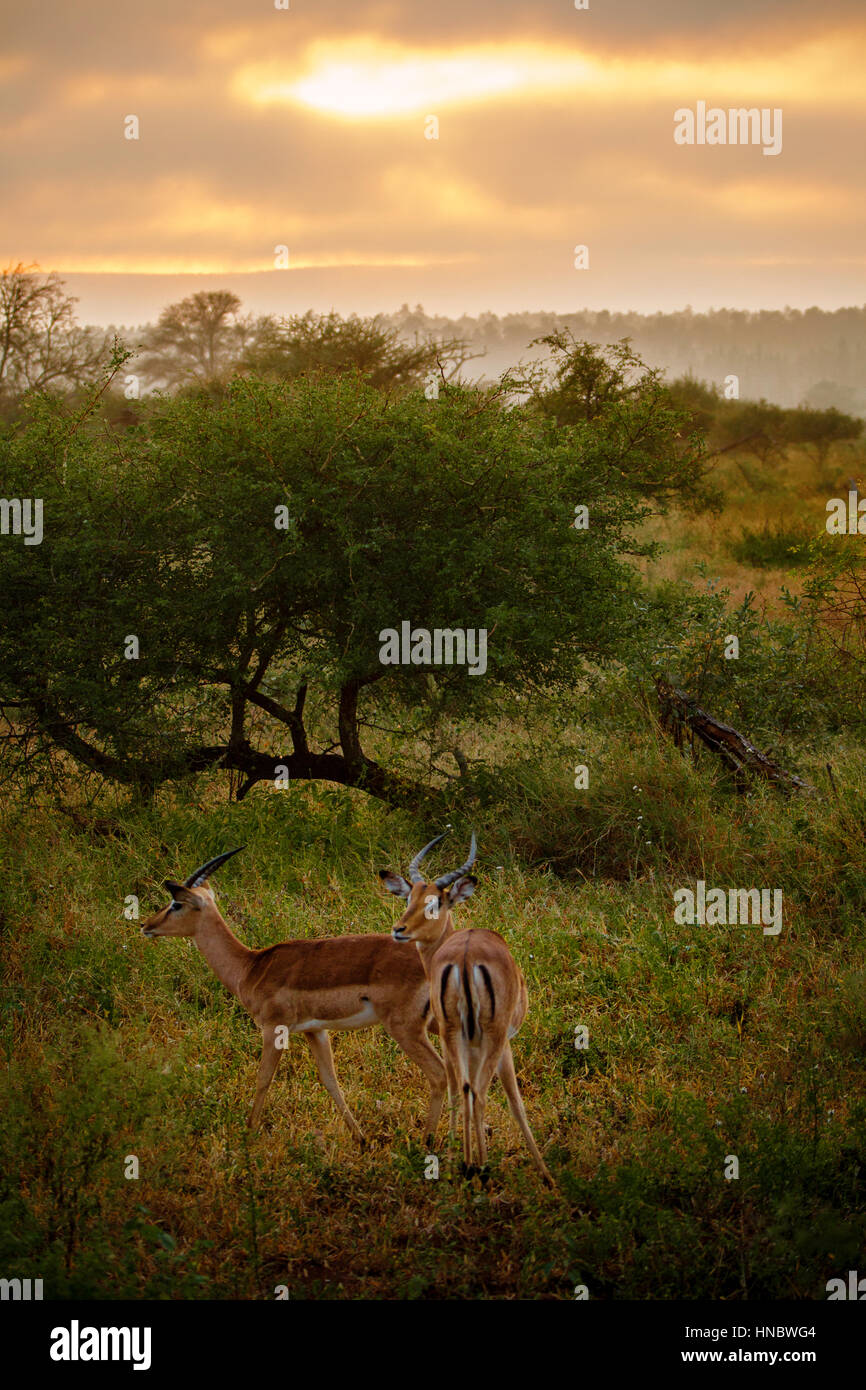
(202, 341)
(760, 427)
(812, 358)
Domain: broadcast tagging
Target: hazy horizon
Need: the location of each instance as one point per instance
(134, 300)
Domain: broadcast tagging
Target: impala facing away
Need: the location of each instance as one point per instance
(477, 993)
(310, 987)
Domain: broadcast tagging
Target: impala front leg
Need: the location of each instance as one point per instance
(320, 1046)
(413, 1041)
(271, 1055)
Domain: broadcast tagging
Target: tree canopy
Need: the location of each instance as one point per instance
(199, 339)
(255, 544)
(42, 345)
(286, 348)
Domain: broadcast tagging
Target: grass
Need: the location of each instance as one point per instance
(704, 1043)
(768, 509)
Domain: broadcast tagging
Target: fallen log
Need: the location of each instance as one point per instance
(681, 716)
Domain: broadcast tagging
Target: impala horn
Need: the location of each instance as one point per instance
(447, 879)
(414, 875)
(204, 873)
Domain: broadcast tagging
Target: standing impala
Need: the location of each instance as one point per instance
(477, 993)
(310, 987)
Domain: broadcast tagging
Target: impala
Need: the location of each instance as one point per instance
(310, 987)
(477, 993)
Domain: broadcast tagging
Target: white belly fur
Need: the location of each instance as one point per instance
(363, 1019)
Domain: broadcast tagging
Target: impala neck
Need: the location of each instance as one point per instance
(428, 949)
(227, 957)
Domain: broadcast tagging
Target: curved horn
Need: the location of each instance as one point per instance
(207, 869)
(447, 879)
(414, 875)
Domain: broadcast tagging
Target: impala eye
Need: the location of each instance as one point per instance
(175, 907)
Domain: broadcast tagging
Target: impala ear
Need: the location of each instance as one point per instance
(395, 883)
(179, 892)
(462, 889)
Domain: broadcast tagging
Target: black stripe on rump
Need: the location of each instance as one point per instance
(489, 983)
(443, 983)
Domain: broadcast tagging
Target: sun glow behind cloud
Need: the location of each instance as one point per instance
(367, 79)
(362, 79)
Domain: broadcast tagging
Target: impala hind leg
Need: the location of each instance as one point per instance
(271, 1055)
(468, 1099)
(320, 1046)
(453, 1094)
(459, 1090)
(481, 1072)
(515, 1105)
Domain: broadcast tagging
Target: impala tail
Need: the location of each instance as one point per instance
(468, 1000)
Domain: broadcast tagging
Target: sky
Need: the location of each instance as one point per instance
(307, 128)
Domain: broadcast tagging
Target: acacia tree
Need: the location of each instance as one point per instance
(199, 339)
(257, 544)
(286, 348)
(818, 430)
(642, 439)
(42, 345)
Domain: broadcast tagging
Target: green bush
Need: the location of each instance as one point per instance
(780, 546)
